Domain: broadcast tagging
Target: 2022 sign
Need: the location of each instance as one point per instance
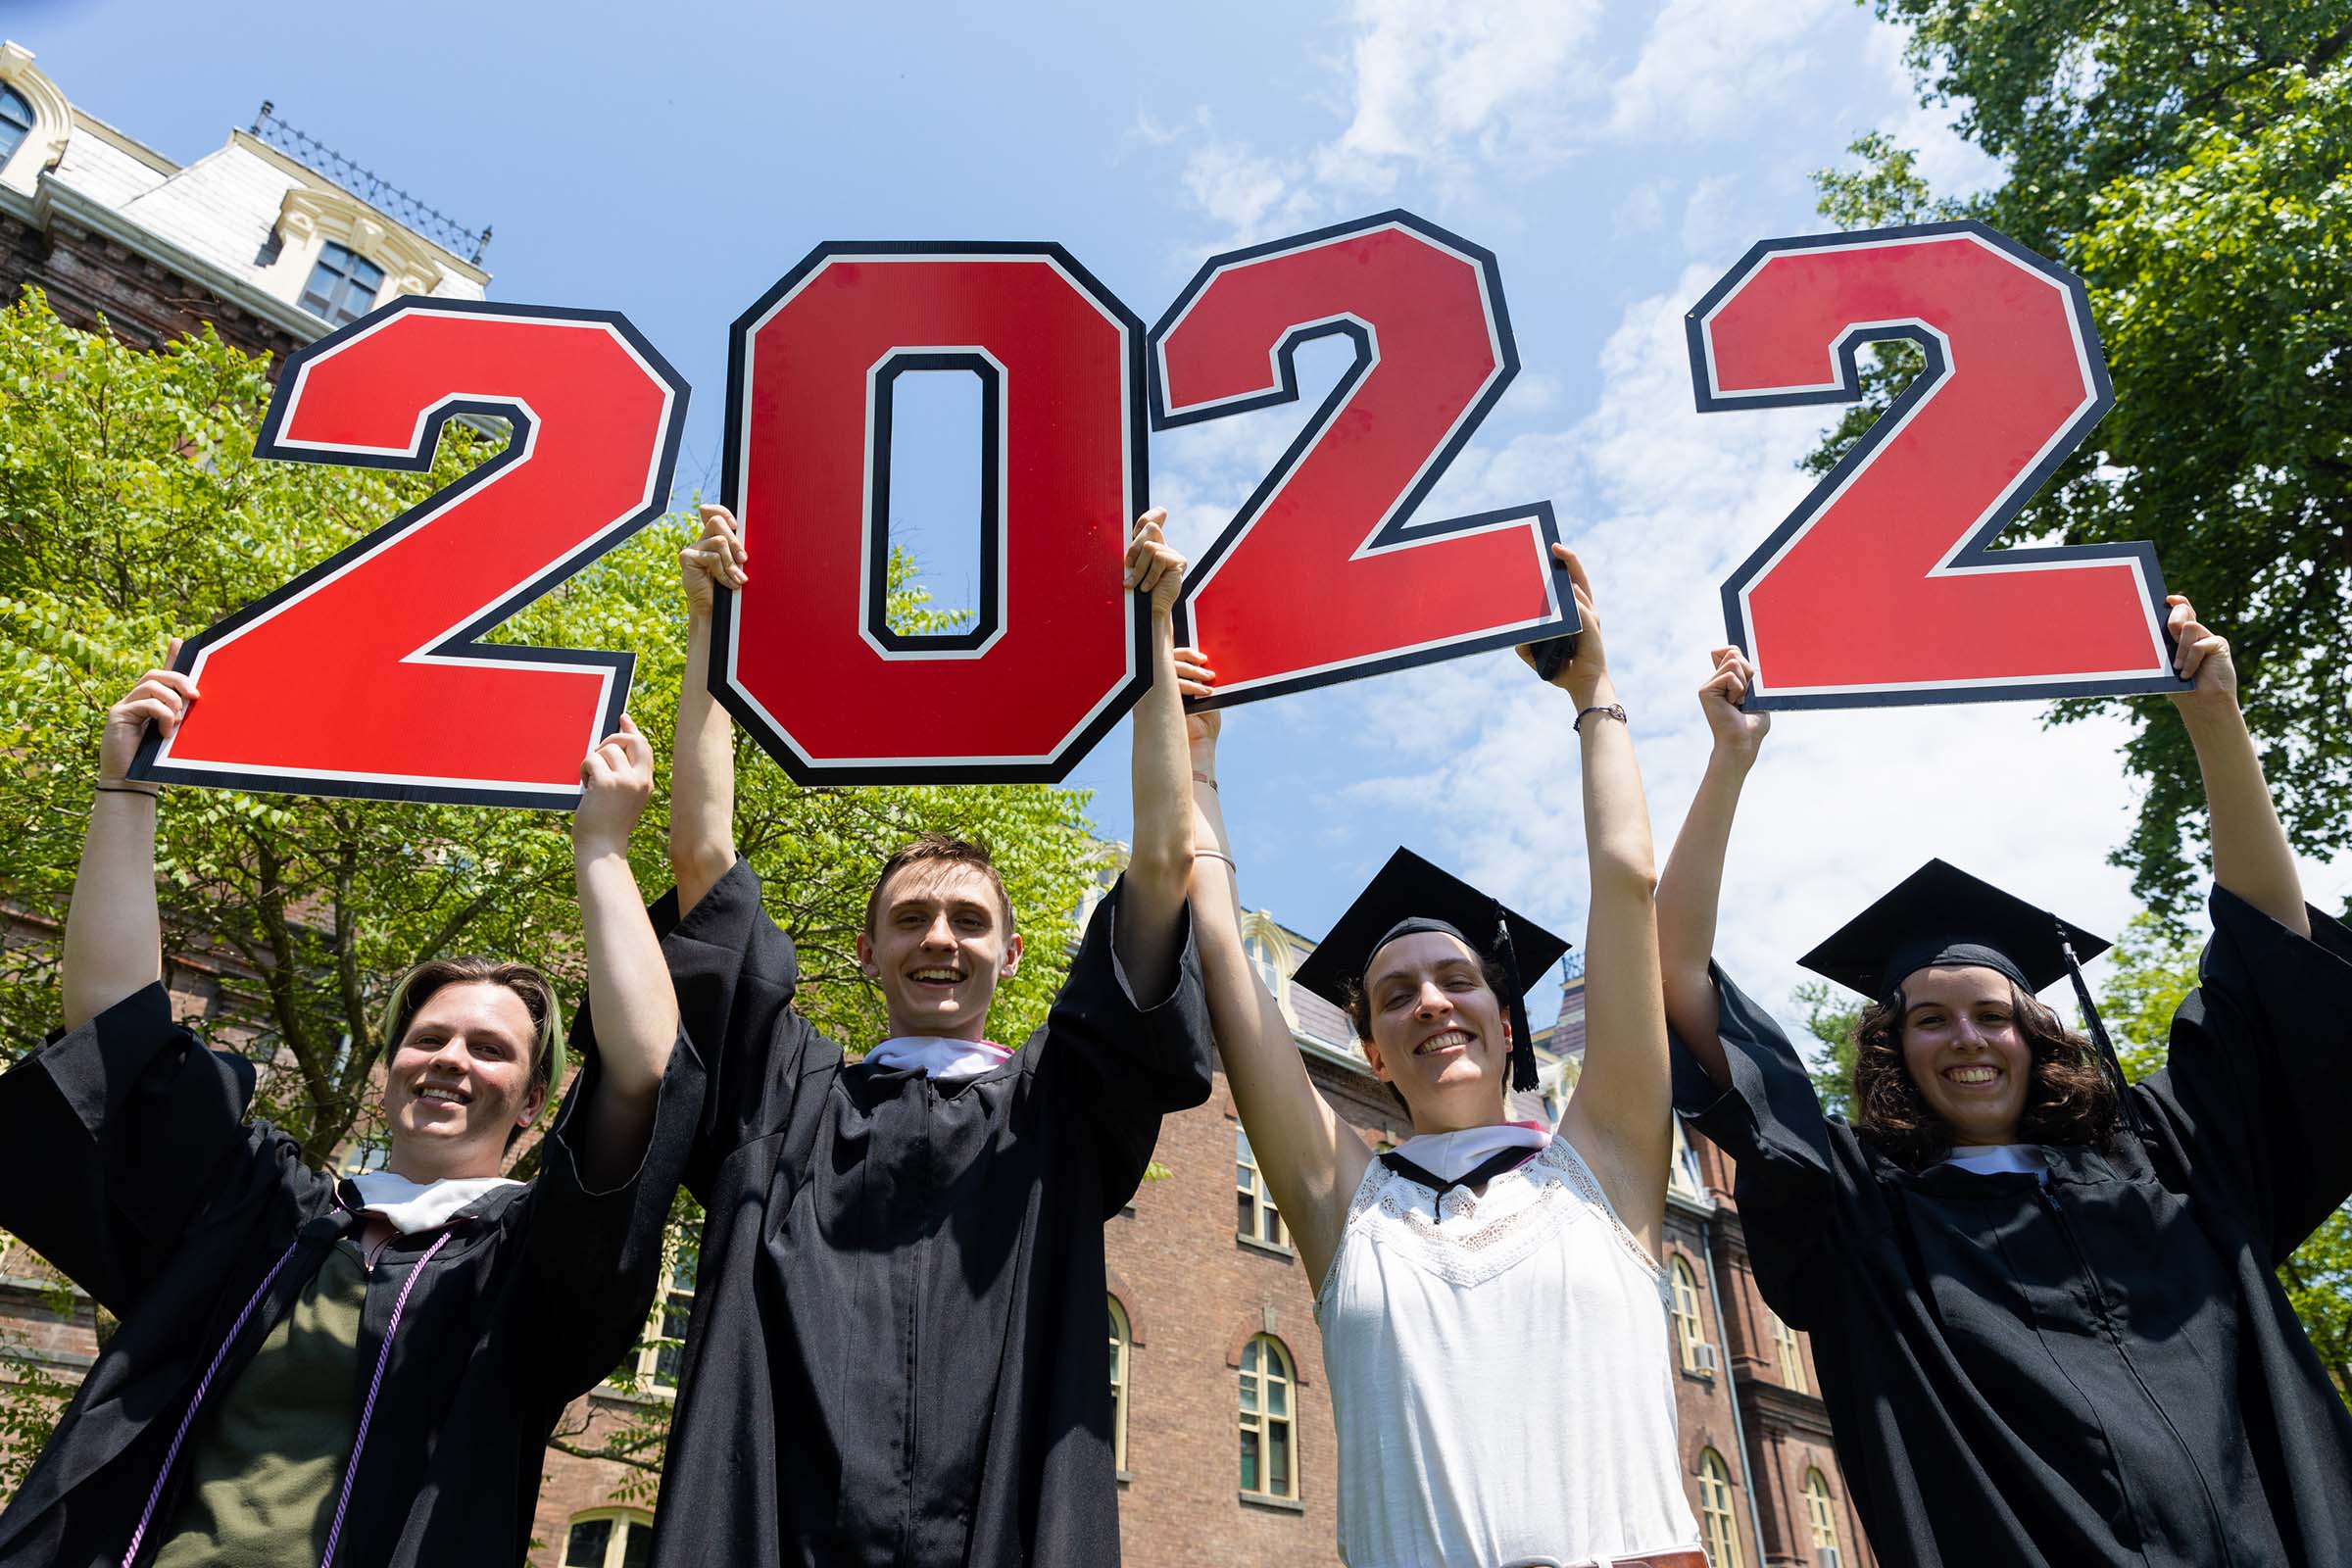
(365, 676)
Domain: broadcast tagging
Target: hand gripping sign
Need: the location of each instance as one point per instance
(363, 677)
(1882, 587)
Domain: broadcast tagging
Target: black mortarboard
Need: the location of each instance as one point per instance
(1411, 896)
(1939, 914)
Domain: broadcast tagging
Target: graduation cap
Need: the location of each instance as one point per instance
(1939, 914)
(1411, 896)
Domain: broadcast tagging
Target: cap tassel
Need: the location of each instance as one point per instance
(1523, 1037)
(2098, 1033)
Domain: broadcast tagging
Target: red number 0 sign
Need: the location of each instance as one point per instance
(804, 655)
(363, 675)
(1323, 576)
(1881, 588)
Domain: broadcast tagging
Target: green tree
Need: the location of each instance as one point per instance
(131, 507)
(2155, 968)
(31, 1394)
(1831, 1017)
(2193, 162)
(2152, 970)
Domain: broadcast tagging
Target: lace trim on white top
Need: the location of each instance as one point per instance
(1450, 1252)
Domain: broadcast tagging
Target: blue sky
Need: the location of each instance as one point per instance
(672, 161)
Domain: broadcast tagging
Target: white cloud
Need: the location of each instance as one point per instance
(1952, 165)
(1435, 80)
(1708, 67)
(1643, 207)
(1714, 226)
(1235, 186)
(1443, 91)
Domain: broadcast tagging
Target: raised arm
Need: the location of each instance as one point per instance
(114, 936)
(630, 1001)
(1691, 886)
(2250, 854)
(1312, 1160)
(702, 774)
(1621, 1117)
(1160, 859)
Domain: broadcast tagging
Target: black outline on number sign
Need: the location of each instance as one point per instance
(875, 589)
(417, 458)
(1395, 529)
(1118, 701)
(1974, 549)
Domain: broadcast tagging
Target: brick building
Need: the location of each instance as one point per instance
(1225, 1434)
(249, 237)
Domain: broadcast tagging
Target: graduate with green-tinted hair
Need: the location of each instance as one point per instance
(362, 1371)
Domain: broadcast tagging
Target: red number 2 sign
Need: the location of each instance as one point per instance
(363, 675)
(1881, 587)
(1323, 576)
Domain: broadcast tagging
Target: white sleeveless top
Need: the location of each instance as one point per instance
(1499, 1375)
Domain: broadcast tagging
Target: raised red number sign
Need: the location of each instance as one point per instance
(363, 675)
(1324, 575)
(1881, 587)
(804, 656)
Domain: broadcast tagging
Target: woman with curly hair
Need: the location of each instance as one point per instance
(2043, 1304)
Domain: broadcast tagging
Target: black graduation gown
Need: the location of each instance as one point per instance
(2104, 1371)
(125, 1162)
(897, 1352)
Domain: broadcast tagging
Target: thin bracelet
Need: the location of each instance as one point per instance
(1615, 710)
(1202, 778)
(1215, 854)
(125, 789)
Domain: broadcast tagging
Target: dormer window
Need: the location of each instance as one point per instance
(1267, 965)
(15, 121)
(343, 285)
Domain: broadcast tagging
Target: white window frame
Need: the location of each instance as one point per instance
(1275, 1370)
(616, 1544)
(1250, 1187)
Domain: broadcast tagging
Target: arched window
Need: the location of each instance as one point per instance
(1682, 1171)
(343, 285)
(1697, 1355)
(1255, 1217)
(1266, 961)
(1819, 1512)
(1792, 1355)
(665, 1356)
(1269, 1454)
(1715, 1521)
(1122, 1338)
(15, 121)
(610, 1538)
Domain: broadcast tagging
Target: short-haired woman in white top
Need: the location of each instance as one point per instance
(1494, 1317)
